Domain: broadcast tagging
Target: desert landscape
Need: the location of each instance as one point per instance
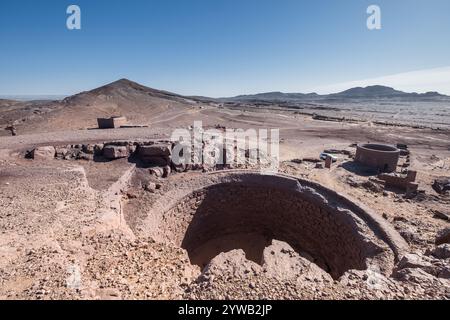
(92, 205)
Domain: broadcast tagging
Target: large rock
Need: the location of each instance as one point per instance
(442, 185)
(156, 171)
(115, 152)
(156, 150)
(407, 231)
(443, 236)
(284, 263)
(232, 263)
(441, 214)
(61, 152)
(88, 148)
(415, 261)
(44, 153)
(442, 251)
(414, 275)
(412, 261)
(166, 171)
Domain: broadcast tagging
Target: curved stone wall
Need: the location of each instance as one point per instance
(382, 157)
(247, 211)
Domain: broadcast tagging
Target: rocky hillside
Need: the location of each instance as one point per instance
(138, 103)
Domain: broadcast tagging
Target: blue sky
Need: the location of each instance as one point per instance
(222, 47)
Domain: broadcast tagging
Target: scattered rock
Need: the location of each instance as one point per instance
(88, 148)
(440, 214)
(443, 236)
(442, 251)
(156, 150)
(150, 187)
(411, 261)
(414, 275)
(441, 185)
(115, 152)
(407, 231)
(61, 152)
(373, 187)
(179, 167)
(166, 171)
(156, 171)
(44, 153)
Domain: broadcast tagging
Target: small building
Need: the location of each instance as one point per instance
(111, 123)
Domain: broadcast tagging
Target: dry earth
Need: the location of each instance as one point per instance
(80, 229)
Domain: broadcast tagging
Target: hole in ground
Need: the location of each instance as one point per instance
(228, 216)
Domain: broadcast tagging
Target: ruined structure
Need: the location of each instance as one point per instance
(111, 123)
(246, 210)
(400, 181)
(245, 224)
(382, 157)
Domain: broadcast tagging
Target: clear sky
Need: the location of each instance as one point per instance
(223, 47)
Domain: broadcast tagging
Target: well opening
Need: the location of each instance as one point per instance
(379, 147)
(247, 216)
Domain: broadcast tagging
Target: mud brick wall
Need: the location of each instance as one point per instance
(332, 240)
(384, 158)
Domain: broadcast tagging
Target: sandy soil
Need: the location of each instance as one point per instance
(63, 234)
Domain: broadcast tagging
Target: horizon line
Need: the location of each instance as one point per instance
(407, 82)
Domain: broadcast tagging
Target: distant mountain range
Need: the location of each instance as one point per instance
(367, 93)
(141, 104)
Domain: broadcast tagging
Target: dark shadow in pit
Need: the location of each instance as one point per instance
(253, 244)
(359, 169)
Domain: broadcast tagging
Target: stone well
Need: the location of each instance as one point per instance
(380, 156)
(243, 210)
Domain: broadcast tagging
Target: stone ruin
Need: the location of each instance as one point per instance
(155, 155)
(382, 157)
(229, 210)
(441, 185)
(111, 123)
(404, 182)
(245, 210)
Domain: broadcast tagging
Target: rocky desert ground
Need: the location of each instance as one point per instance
(87, 213)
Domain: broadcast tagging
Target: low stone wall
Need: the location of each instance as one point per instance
(404, 182)
(152, 154)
